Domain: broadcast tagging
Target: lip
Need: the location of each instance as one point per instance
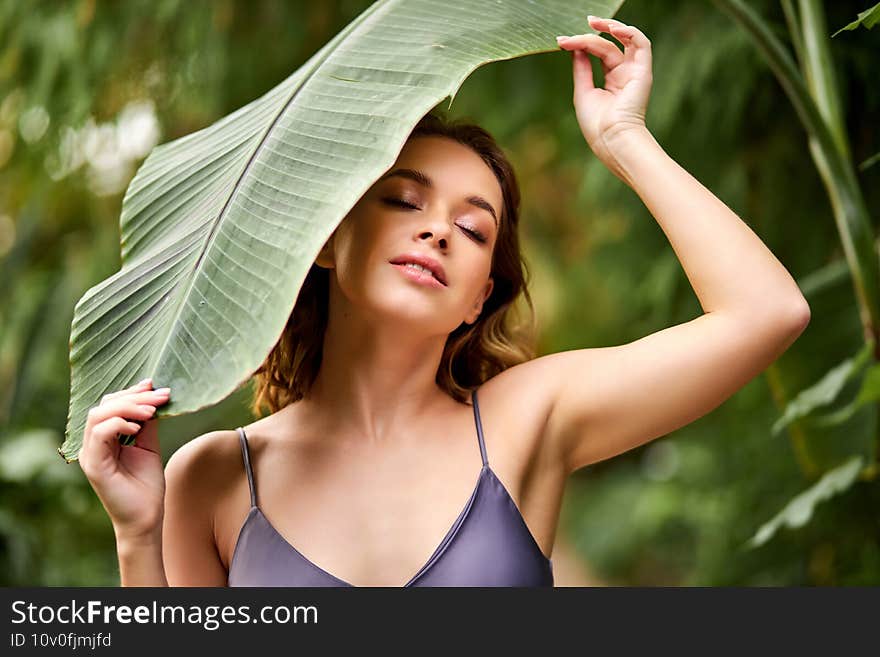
(435, 267)
(420, 277)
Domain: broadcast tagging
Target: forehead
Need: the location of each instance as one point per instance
(451, 166)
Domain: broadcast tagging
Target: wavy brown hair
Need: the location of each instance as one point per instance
(473, 353)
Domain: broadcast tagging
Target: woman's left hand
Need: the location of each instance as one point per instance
(605, 114)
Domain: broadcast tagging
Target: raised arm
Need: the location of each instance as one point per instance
(604, 401)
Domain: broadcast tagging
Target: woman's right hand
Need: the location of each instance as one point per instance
(129, 480)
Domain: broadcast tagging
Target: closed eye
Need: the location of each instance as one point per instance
(401, 203)
(477, 235)
(398, 202)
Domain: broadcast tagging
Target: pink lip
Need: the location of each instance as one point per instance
(420, 277)
(428, 263)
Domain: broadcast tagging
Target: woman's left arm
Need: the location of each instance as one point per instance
(604, 401)
(731, 270)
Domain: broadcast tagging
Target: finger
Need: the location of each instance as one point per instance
(104, 433)
(103, 449)
(582, 71)
(636, 46)
(632, 33)
(140, 407)
(122, 405)
(600, 24)
(608, 53)
(146, 402)
(124, 409)
(146, 384)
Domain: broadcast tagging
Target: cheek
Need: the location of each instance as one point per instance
(357, 254)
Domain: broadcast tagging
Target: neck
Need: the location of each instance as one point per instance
(374, 380)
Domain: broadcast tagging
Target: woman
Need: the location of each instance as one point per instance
(373, 439)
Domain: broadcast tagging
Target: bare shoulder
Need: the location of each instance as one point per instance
(519, 401)
(199, 476)
(200, 460)
(518, 392)
(530, 394)
(203, 472)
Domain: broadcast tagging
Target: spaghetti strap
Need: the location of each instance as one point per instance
(247, 465)
(479, 427)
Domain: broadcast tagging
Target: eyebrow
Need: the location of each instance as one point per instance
(424, 181)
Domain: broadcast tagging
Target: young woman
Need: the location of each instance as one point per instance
(398, 375)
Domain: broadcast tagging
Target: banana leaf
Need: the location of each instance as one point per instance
(220, 227)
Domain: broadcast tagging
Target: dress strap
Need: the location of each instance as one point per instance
(479, 427)
(247, 465)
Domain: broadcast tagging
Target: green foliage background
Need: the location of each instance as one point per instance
(676, 511)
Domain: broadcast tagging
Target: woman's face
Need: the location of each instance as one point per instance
(439, 200)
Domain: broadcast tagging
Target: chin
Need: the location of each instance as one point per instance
(414, 309)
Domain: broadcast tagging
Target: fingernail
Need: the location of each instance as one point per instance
(561, 38)
(147, 380)
(163, 391)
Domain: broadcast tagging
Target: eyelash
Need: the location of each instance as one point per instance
(477, 235)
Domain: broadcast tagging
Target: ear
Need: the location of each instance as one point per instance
(478, 305)
(326, 256)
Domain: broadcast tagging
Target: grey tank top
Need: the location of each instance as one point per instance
(489, 544)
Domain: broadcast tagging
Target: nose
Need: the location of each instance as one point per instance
(437, 232)
(427, 235)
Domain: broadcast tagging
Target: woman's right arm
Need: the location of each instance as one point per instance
(129, 479)
(163, 537)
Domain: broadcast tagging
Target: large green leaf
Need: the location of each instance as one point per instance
(219, 228)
